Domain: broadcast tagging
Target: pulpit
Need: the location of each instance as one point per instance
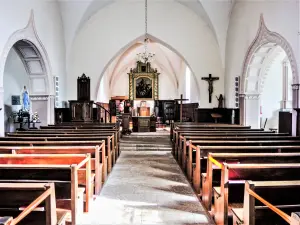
(82, 108)
(81, 111)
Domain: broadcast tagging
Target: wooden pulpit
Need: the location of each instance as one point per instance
(82, 108)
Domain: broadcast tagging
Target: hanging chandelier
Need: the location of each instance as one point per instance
(146, 56)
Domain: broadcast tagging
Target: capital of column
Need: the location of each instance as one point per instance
(295, 86)
(252, 96)
(39, 97)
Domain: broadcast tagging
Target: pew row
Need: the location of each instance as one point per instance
(65, 171)
(29, 204)
(269, 203)
(97, 157)
(230, 194)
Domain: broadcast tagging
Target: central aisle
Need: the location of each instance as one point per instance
(147, 186)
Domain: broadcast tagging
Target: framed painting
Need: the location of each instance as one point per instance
(143, 88)
(143, 83)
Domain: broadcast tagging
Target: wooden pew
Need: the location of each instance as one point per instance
(14, 197)
(269, 203)
(230, 193)
(179, 135)
(186, 140)
(193, 147)
(63, 170)
(176, 126)
(198, 167)
(76, 133)
(53, 141)
(96, 153)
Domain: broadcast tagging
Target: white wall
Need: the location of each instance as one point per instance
(14, 15)
(15, 77)
(116, 27)
(243, 29)
(272, 95)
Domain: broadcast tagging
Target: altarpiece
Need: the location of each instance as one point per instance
(143, 82)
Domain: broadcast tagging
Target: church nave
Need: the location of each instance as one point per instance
(147, 187)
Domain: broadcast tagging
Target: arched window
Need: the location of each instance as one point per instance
(188, 84)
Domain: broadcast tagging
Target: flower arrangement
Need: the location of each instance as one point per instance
(35, 117)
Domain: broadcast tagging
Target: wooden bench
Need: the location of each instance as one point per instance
(178, 135)
(269, 203)
(96, 153)
(71, 142)
(115, 135)
(193, 144)
(176, 126)
(29, 204)
(231, 191)
(63, 170)
(184, 141)
(198, 166)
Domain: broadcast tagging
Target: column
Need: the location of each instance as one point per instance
(2, 128)
(242, 109)
(51, 108)
(295, 89)
(252, 110)
(285, 81)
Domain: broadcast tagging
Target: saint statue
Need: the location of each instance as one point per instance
(220, 100)
(25, 102)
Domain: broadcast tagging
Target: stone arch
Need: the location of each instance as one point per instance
(264, 48)
(29, 47)
(140, 39)
(266, 37)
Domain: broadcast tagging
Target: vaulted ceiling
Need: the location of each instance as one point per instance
(215, 13)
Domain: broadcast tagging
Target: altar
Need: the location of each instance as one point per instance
(143, 91)
(144, 124)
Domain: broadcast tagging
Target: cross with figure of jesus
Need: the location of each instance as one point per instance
(210, 81)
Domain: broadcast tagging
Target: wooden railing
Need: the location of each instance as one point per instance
(107, 114)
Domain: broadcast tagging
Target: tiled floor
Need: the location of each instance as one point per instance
(146, 187)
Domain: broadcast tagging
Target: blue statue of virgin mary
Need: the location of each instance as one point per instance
(25, 100)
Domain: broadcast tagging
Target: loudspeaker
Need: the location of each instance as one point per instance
(237, 91)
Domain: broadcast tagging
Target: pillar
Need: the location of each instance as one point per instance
(242, 109)
(295, 89)
(2, 131)
(285, 77)
(252, 110)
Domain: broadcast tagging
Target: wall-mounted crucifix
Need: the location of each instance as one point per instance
(210, 81)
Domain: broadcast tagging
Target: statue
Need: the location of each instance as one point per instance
(25, 101)
(220, 100)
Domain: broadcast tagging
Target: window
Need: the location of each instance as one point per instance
(188, 84)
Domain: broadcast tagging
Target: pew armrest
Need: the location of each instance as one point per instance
(62, 216)
(203, 175)
(217, 191)
(5, 220)
(237, 214)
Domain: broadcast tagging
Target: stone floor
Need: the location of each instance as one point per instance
(146, 186)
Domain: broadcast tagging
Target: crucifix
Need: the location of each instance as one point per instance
(210, 81)
(181, 100)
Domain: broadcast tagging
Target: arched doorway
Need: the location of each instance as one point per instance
(24, 62)
(269, 72)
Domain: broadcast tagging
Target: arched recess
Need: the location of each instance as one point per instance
(36, 62)
(263, 49)
(131, 45)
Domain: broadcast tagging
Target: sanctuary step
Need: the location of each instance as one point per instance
(159, 141)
